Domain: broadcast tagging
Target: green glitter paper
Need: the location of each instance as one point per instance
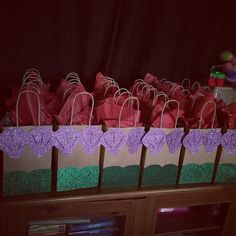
(194, 173)
(71, 178)
(158, 175)
(22, 182)
(116, 176)
(226, 173)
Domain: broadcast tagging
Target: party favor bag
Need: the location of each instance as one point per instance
(122, 150)
(163, 149)
(27, 153)
(104, 87)
(79, 150)
(201, 147)
(226, 171)
(108, 110)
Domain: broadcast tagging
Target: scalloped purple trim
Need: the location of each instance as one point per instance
(135, 139)
(228, 141)
(154, 140)
(174, 139)
(113, 140)
(212, 140)
(40, 140)
(90, 138)
(193, 140)
(66, 138)
(13, 141)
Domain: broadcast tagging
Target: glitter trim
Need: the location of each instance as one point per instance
(154, 140)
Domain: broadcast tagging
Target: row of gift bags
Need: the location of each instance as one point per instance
(129, 153)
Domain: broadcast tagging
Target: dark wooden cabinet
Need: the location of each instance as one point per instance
(185, 211)
(191, 220)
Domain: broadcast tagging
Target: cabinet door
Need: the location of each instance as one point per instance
(190, 213)
(194, 211)
(72, 211)
(191, 220)
(15, 221)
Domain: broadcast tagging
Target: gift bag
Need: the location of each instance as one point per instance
(122, 150)
(201, 147)
(104, 87)
(226, 171)
(151, 79)
(163, 150)
(27, 112)
(27, 152)
(108, 110)
(73, 88)
(79, 150)
(68, 84)
(227, 166)
(184, 82)
(31, 81)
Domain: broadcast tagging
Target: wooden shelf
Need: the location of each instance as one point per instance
(200, 229)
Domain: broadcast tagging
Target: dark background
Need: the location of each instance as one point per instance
(121, 38)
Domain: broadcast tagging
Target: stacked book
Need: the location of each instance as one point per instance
(94, 227)
(47, 230)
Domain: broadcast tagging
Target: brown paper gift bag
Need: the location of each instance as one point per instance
(27, 156)
(201, 147)
(78, 157)
(226, 171)
(122, 152)
(163, 149)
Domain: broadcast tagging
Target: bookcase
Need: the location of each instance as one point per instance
(176, 211)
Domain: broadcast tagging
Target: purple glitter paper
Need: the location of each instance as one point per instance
(211, 140)
(65, 139)
(228, 141)
(154, 140)
(135, 139)
(113, 140)
(40, 140)
(193, 140)
(173, 140)
(90, 138)
(13, 141)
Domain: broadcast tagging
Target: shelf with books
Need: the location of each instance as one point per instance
(106, 226)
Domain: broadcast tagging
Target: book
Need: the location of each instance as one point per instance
(102, 224)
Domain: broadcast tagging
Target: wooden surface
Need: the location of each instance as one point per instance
(183, 195)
